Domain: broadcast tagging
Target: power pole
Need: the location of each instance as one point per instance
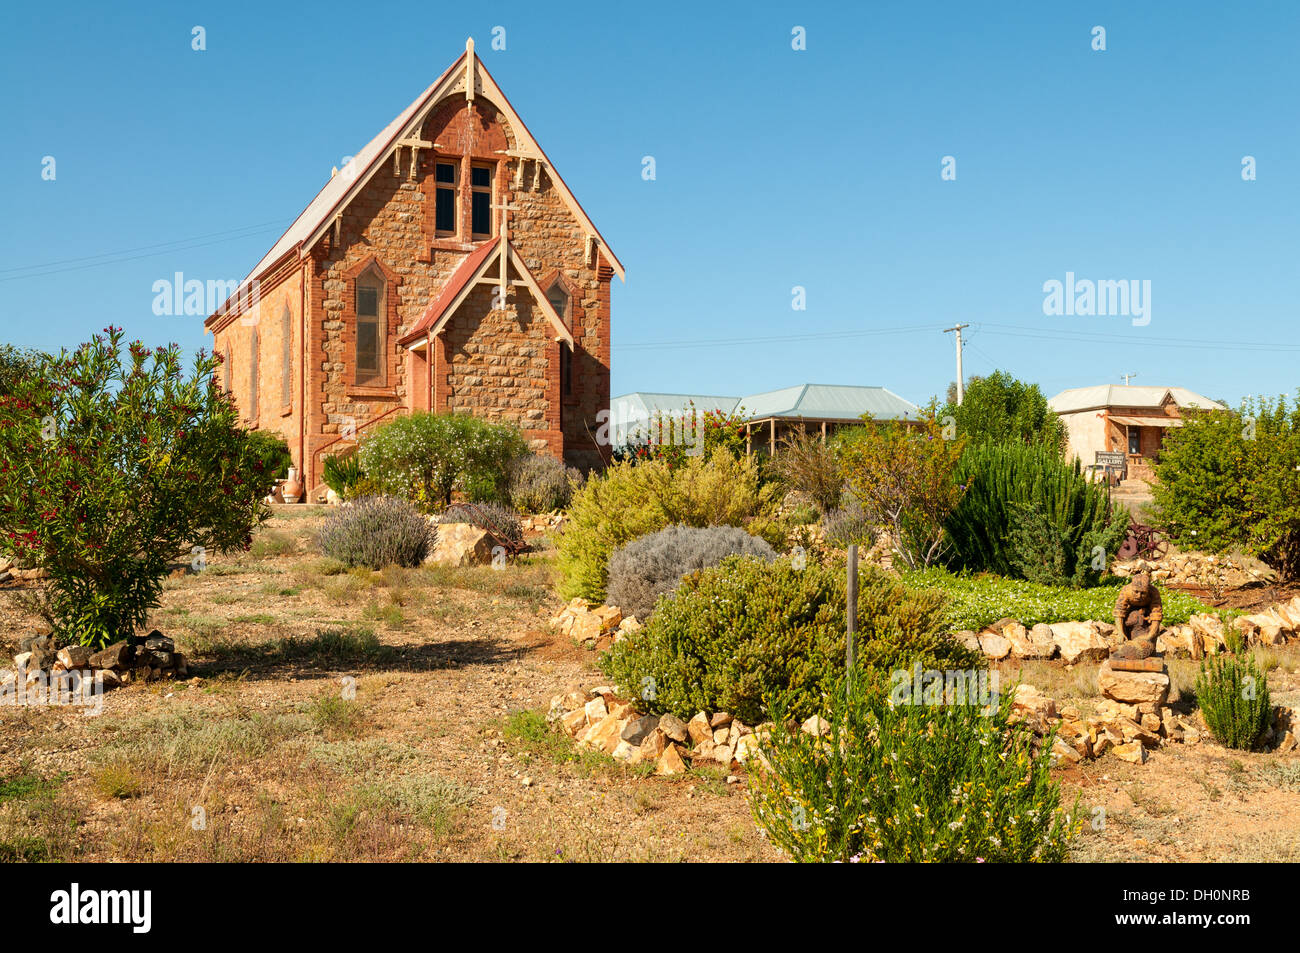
(1128, 377)
(961, 383)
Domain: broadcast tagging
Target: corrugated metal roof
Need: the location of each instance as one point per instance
(629, 412)
(1130, 395)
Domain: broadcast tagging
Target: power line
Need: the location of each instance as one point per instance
(128, 254)
(775, 339)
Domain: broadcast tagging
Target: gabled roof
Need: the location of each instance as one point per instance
(343, 186)
(461, 283)
(1127, 395)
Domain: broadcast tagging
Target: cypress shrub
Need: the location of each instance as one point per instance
(1025, 507)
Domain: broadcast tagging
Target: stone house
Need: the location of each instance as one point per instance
(1125, 424)
(446, 267)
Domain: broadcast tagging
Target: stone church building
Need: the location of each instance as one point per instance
(447, 267)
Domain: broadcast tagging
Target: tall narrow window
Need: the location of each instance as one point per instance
(227, 370)
(1134, 440)
(566, 370)
(444, 213)
(252, 375)
(480, 181)
(371, 346)
(286, 358)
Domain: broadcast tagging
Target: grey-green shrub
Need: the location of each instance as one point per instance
(646, 568)
(376, 531)
(848, 524)
(540, 483)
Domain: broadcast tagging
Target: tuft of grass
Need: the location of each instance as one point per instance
(28, 786)
(270, 544)
(256, 618)
(116, 780)
(333, 715)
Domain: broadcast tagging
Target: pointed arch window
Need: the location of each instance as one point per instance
(558, 296)
(371, 341)
(227, 371)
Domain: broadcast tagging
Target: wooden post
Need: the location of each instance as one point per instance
(850, 648)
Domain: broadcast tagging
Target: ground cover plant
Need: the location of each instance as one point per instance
(975, 600)
(111, 469)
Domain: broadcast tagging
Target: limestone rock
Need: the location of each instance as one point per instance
(74, 656)
(653, 745)
(638, 728)
(670, 762)
(1133, 687)
(994, 646)
(1023, 644)
(461, 544)
(1132, 752)
(1078, 641)
(674, 728)
(698, 728)
(816, 726)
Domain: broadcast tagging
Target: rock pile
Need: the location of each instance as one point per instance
(140, 658)
(540, 524)
(596, 627)
(1132, 717)
(1193, 569)
(604, 720)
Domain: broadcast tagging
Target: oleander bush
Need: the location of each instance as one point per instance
(630, 500)
(272, 455)
(911, 782)
(501, 522)
(1233, 696)
(376, 531)
(540, 483)
(747, 633)
(643, 570)
(427, 457)
(113, 463)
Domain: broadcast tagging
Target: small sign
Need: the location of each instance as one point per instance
(1111, 458)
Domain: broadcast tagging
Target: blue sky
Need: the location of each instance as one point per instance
(775, 168)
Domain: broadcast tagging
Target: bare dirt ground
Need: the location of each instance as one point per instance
(413, 729)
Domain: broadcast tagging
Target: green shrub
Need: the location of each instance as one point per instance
(425, 458)
(111, 469)
(746, 633)
(1232, 480)
(375, 532)
(272, 455)
(902, 475)
(675, 437)
(1233, 696)
(540, 483)
(501, 523)
(342, 474)
(1065, 512)
(1001, 409)
(629, 501)
(807, 465)
(911, 782)
(646, 568)
(975, 600)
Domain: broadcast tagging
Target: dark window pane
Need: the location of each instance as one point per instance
(368, 302)
(445, 216)
(559, 300)
(566, 371)
(445, 172)
(480, 177)
(367, 345)
(481, 220)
